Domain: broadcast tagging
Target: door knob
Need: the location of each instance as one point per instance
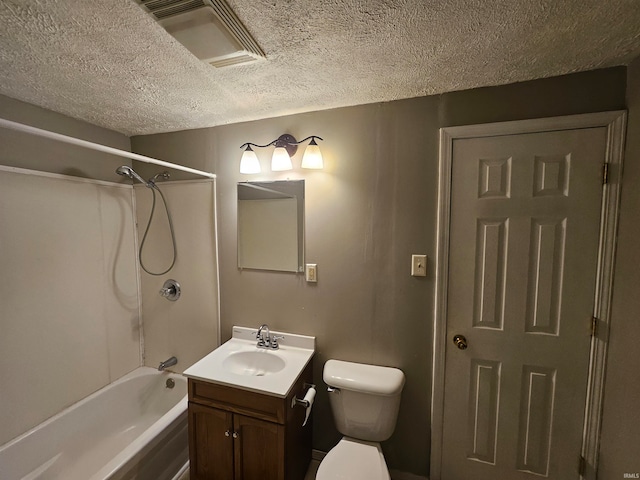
(460, 342)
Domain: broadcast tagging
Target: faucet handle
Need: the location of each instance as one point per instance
(274, 341)
(259, 337)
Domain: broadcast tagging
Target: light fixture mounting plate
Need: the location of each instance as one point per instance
(288, 142)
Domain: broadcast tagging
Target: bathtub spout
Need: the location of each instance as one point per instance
(167, 363)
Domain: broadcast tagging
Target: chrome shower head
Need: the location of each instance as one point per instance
(127, 171)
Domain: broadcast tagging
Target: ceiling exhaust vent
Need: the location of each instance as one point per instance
(207, 28)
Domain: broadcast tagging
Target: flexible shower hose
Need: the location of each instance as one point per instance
(154, 187)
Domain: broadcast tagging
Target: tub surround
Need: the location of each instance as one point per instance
(72, 319)
(188, 327)
(69, 310)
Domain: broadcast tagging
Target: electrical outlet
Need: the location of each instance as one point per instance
(419, 265)
(311, 272)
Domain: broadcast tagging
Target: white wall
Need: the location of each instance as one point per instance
(68, 293)
(188, 327)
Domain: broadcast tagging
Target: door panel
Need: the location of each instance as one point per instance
(482, 429)
(524, 239)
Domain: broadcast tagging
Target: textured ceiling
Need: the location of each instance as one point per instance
(109, 63)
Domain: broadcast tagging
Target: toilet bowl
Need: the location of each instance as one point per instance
(353, 459)
(364, 400)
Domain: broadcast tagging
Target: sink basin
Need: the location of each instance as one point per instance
(240, 363)
(255, 364)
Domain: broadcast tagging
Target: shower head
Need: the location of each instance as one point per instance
(127, 171)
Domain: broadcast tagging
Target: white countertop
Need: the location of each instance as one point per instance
(295, 350)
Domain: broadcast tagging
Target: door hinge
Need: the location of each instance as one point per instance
(605, 173)
(582, 466)
(594, 326)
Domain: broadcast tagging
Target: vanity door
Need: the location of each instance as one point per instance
(258, 449)
(210, 443)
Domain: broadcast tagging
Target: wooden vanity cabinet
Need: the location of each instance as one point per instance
(236, 434)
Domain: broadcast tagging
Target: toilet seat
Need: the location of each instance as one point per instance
(353, 459)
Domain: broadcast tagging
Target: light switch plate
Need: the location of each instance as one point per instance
(419, 265)
(311, 272)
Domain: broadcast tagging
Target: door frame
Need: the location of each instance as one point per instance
(615, 122)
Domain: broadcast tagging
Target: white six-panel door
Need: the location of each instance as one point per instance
(524, 277)
(522, 269)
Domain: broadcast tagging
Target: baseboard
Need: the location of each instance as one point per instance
(398, 475)
(318, 455)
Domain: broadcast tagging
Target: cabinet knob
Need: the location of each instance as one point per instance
(235, 435)
(227, 433)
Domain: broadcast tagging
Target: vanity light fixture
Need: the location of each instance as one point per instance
(286, 146)
(249, 162)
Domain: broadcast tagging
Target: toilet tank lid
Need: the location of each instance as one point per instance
(363, 378)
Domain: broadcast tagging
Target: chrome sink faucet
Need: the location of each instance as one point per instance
(263, 336)
(265, 339)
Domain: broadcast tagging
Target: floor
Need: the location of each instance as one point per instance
(311, 474)
(313, 468)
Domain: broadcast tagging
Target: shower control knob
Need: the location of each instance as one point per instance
(170, 290)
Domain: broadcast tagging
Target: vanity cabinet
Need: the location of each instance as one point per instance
(236, 434)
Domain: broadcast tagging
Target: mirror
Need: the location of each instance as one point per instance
(271, 225)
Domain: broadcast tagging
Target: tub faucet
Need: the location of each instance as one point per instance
(170, 362)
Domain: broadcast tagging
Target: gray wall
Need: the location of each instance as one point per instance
(620, 452)
(366, 213)
(27, 151)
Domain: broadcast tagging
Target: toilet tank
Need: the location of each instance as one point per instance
(366, 404)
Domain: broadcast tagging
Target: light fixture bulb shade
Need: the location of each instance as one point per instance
(312, 157)
(249, 162)
(281, 160)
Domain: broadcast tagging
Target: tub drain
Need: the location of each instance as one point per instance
(170, 383)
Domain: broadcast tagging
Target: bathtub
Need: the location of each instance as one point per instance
(135, 427)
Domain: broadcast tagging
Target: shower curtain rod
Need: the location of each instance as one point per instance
(96, 146)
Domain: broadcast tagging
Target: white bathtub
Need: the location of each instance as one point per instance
(135, 427)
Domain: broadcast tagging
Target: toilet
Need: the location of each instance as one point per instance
(365, 401)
